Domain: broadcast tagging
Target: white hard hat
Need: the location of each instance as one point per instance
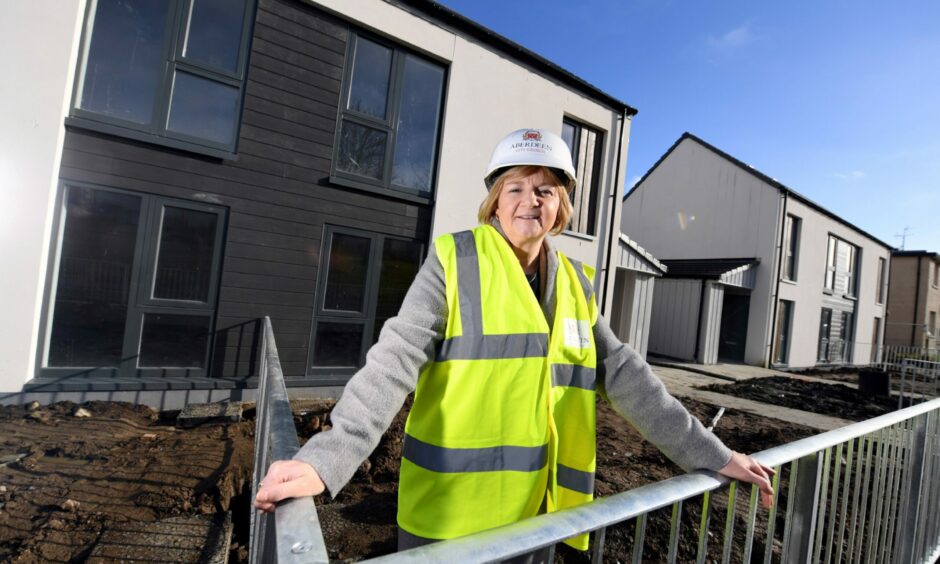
(538, 147)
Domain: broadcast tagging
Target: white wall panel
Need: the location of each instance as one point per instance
(673, 322)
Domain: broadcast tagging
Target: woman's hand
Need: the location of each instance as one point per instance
(744, 468)
(285, 479)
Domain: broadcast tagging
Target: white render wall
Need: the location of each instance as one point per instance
(40, 39)
(807, 291)
(488, 96)
(697, 204)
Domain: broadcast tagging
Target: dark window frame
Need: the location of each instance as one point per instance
(339, 375)
(791, 258)
(384, 185)
(144, 264)
(882, 285)
(157, 132)
(784, 333)
(823, 352)
(597, 173)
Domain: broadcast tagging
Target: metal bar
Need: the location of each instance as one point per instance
(859, 469)
(751, 519)
(821, 504)
(799, 542)
(674, 527)
(845, 502)
(788, 519)
(837, 471)
(729, 524)
(878, 486)
(597, 550)
(772, 518)
(703, 528)
(897, 435)
(866, 474)
(926, 526)
(903, 459)
(639, 537)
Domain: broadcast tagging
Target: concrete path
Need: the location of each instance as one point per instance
(737, 372)
(683, 382)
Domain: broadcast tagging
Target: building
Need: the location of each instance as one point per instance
(756, 272)
(175, 171)
(913, 299)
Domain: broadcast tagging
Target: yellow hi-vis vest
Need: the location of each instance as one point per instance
(503, 418)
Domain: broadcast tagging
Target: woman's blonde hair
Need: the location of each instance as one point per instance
(488, 207)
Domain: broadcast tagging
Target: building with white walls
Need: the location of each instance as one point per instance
(757, 273)
(173, 174)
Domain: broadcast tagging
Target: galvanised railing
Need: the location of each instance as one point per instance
(892, 357)
(865, 493)
(292, 533)
(918, 378)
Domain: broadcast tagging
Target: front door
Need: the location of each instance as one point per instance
(733, 333)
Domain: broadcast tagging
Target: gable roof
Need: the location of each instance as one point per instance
(642, 253)
(710, 269)
(443, 15)
(760, 175)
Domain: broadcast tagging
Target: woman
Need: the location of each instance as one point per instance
(504, 333)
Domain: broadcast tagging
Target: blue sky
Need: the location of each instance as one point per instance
(840, 101)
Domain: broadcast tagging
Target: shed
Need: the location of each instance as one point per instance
(636, 273)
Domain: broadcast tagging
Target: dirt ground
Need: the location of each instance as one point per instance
(832, 399)
(130, 464)
(66, 480)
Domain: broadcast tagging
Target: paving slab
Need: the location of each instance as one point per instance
(190, 538)
(682, 382)
(196, 414)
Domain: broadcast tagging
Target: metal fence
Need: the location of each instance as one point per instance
(865, 493)
(292, 533)
(868, 492)
(892, 357)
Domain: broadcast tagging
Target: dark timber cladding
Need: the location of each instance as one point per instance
(277, 190)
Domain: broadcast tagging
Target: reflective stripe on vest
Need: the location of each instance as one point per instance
(486, 440)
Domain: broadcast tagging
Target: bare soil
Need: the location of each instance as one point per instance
(835, 399)
(129, 464)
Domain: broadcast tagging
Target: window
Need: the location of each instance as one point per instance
(363, 282)
(831, 264)
(882, 284)
(936, 275)
(136, 283)
(932, 326)
(784, 322)
(791, 247)
(166, 71)
(389, 122)
(587, 147)
(851, 268)
(846, 335)
(825, 325)
(876, 341)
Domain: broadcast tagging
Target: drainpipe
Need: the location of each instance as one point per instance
(920, 262)
(698, 323)
(773, 317)
(613, 211)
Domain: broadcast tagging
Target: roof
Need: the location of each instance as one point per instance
(768, 179)
(927, 254)
(643, 253)
(711, 269)
(444, 15)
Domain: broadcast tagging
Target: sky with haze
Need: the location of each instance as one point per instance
(839, 101)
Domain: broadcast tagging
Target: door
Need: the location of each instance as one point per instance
(732, 337)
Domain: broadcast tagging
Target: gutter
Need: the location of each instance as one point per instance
(773, 317)
(613, 209)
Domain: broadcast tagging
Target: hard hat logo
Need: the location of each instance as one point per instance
(532, 147)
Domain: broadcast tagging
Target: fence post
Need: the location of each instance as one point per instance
(911, 516)
(800, 533)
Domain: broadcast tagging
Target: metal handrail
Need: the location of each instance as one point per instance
(911, 435)
(292, 533)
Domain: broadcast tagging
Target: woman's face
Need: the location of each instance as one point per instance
(527, 207)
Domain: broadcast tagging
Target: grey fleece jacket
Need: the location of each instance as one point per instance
(376, 393)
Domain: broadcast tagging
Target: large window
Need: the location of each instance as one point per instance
(825, 328)
(791, 247)
(882, 283)
(389, 121)
(363, 280)
(831, 264)
(843, 262)
(135, 284)
(586, 146)
(169, 71)
(851, 268)
(784, 322)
